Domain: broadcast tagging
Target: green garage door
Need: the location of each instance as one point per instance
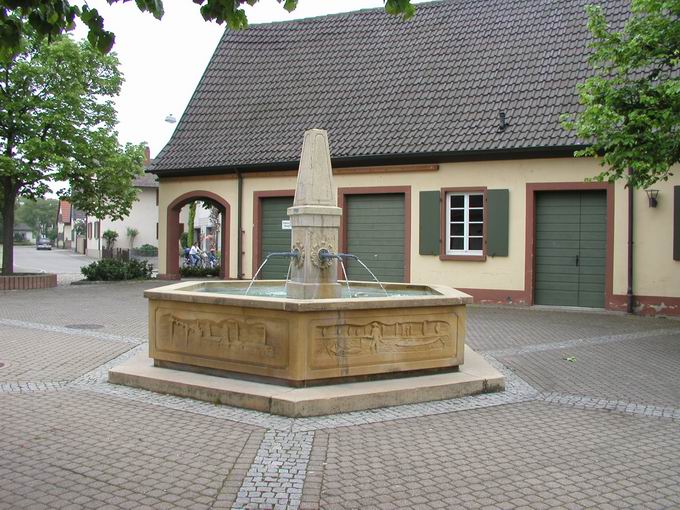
(274, 237)
(571, 248)
(375, 234)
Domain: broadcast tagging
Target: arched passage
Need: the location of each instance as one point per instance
(173, 233)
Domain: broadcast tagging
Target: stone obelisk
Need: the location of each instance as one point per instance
(315, 222)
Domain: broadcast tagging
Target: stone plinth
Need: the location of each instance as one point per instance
(474, 377)
(315, 228)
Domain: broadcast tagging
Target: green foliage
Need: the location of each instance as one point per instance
(132, 233)
(79, 227)
(184, 239)
(57, 123)
(40, 215)
(198, 272)
(147, 250)
(190, 226)
(632, 102)
(53, 17)
(112, 269)
(110, 236)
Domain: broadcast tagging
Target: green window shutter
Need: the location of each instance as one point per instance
(676, 223)
(429, 223)
(498, 219)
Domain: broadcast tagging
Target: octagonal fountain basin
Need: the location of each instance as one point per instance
(215, 328)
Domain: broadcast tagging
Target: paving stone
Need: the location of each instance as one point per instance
(490, 440)
(34, 357)
(641, 372)
(68, 432)
(560, 436)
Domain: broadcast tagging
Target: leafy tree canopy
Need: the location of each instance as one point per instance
(53, 17)
(40, 215)
(632, 102)
(57, 123)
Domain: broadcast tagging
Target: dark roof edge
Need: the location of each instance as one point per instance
(386, 159)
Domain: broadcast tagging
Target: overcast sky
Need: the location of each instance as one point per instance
(163, 60)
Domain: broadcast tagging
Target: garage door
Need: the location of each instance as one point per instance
(571, 248)
(375, 234)
(274, 235)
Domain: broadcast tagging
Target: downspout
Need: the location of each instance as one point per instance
(239, 221)
(629, 293)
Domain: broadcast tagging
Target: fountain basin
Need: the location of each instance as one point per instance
(213, 328)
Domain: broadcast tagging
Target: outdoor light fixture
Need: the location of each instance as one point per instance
(170, 119)
(652, 195)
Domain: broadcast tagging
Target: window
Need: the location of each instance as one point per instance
(464, 217)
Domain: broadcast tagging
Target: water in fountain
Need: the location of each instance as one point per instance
(290, 254)
(344, 272)
(369, 272)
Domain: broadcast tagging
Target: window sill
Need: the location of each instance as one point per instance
(472, 258)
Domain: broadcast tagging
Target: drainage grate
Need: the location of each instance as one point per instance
(84, 326)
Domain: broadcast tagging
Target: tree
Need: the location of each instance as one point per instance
(52, 17)
(190, 226)
(57, 123)
(40, 215)
(110, 236)
(132, 233)
(632, 103)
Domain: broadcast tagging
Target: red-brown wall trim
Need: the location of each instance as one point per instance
(531, 189)
(646, 305)
(497, 296)
(377, 190)
(257, 222)
(173, 234)
(443, 241)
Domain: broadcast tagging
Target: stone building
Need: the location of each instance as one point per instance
(450, 160)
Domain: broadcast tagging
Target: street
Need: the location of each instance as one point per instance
(29, 260)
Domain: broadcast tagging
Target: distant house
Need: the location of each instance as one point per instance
(143, 217)
(64, 225)
(67, 219)
(23, 232)
(450, 160)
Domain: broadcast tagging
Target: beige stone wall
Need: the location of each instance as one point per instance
(656, 274)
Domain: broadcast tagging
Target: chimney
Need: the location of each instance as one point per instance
(147, 155)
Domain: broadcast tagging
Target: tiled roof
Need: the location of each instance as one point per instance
(146, 181)
(388, 88)
(65, 212)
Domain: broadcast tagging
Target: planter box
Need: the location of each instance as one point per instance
(28, 281)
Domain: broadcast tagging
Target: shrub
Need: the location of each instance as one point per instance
(198, 272)
(184, 239)
(146, 250)
(111, 269)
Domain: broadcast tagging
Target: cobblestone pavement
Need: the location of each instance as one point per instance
(590, 418)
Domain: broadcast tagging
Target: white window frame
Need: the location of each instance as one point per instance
(466, 251)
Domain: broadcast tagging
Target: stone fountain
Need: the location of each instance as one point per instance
(298, 347)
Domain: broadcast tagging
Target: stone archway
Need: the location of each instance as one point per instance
(173, 233)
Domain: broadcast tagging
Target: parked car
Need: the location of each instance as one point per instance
(43, 244)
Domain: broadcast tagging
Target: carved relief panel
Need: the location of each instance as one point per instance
(375, 340)
(221, 337)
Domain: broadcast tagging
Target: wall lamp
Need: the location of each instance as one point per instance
(652, 196)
